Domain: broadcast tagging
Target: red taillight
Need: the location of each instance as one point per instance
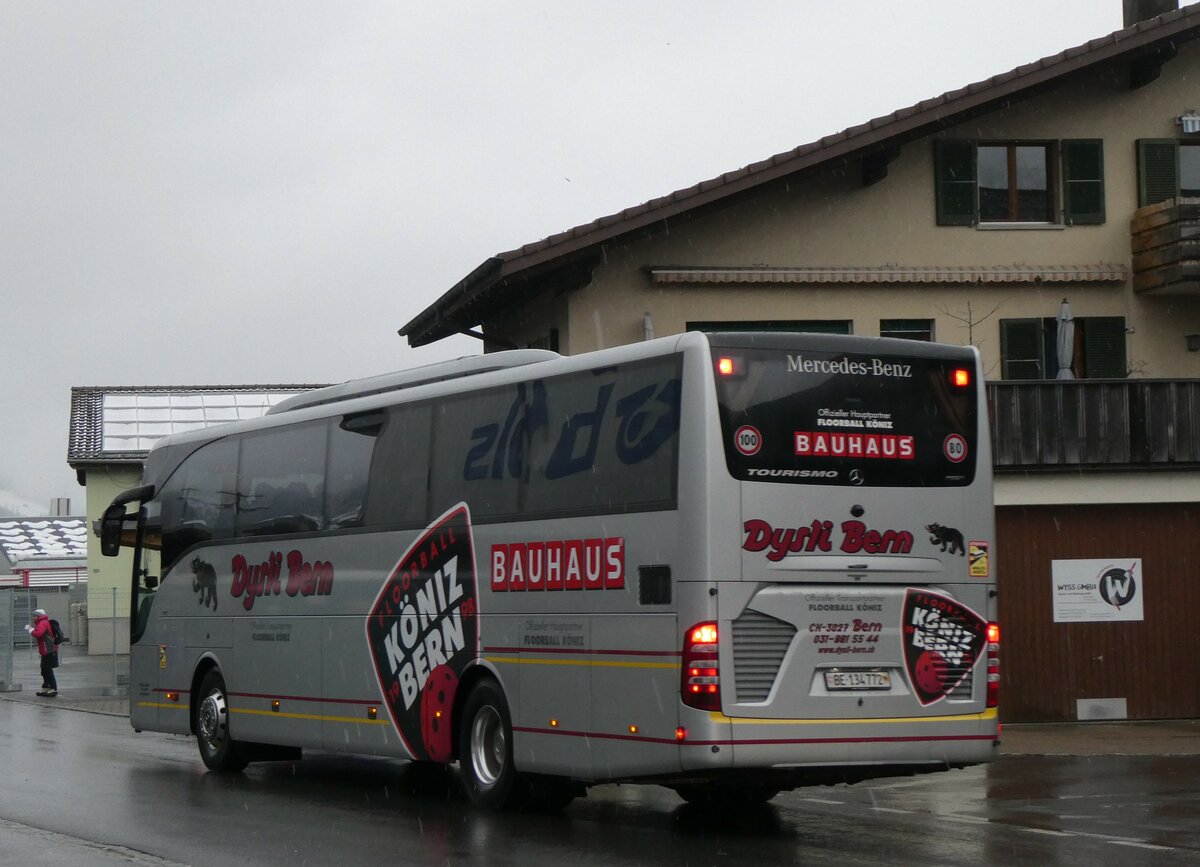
(700, 681)
(993, 665)
(960, 377)
(725, 366)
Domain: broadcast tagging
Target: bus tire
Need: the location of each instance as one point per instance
(486, 757)
(218, 750)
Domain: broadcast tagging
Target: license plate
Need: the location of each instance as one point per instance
(858, 680)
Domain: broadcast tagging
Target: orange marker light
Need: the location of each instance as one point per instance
(633, 730)
(681, 734)
(725, 365)
(993, 633)
(961, 377)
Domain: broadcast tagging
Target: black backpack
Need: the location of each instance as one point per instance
(56, 631)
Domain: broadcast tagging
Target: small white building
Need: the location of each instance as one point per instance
(43, 563)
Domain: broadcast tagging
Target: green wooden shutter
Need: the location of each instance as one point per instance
(1021, 349)
(957, 192)
(1104, 347)
(1083, 181)
(1158, 170)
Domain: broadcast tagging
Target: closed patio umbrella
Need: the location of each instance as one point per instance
(1065, 341)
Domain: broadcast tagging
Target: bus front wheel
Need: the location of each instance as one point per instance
(218, 749)
(486, 755)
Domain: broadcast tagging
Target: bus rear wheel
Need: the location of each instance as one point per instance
(218, 750)
(486, 757)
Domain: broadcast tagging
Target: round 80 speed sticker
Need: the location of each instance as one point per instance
(747, 440)
(955, 448)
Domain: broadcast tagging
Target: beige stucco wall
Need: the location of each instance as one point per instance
(106, 574)
(830, 219)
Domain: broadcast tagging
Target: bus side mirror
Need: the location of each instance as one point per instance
(111, 525)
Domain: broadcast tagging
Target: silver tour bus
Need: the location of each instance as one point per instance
(728, 563)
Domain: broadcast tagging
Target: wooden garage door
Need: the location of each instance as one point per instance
(1153, 664)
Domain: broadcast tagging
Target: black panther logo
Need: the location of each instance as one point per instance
(949, 538)
(204, 582)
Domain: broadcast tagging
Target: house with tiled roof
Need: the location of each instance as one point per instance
(112, 429)
(1066, 190)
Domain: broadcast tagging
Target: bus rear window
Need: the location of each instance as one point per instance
(837, 418)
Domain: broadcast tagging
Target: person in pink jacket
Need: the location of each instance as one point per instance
(45, 638)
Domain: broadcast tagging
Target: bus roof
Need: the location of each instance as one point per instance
(438, 372)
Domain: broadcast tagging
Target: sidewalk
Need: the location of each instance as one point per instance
(85, 683)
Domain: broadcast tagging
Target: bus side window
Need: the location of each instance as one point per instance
(352, 441)
(281, 481)
(199, 501)
(398, 490)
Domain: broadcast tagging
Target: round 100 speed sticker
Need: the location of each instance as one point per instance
(747, 440)
(955, 448)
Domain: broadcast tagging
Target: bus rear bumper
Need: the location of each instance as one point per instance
(915, 744)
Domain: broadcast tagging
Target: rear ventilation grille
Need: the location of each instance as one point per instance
(961, 692)
(759, 644)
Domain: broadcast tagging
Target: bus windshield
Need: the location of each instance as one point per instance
(837, 418)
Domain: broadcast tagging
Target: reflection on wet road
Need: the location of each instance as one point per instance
(151, 794)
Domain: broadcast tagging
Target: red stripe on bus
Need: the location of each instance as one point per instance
(755, 741)
(598, 736)
(372, 701)
(282, 697)
(579, 650)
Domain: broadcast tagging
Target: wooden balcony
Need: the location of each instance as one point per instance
(1166, 247)
(1095, 423)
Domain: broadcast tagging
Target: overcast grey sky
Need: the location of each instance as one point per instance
(252, 192)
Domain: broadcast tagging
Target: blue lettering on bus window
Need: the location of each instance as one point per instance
(527, 414)
(564, 461)
(475, 467)
(646, 425)
(507, 446)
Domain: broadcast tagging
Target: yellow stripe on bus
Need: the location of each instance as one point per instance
(989, 714)
(596, 663)
(311, 716)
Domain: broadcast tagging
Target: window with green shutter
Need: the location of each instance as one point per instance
(1158, 170)
(1028, 348)
(907, 329)
(1083, 181)
(957, 191)
(1104, 347)
(1021, 349)
(1019, 182)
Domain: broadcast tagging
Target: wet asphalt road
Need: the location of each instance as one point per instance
(82, 788)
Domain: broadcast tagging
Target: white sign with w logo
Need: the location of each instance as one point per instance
(1093, 591)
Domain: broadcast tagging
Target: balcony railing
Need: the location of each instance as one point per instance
(1097, 423)
(1166, 247)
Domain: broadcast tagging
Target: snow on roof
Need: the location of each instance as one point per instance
(25, 539)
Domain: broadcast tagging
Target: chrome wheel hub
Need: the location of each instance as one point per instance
(487, 746)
